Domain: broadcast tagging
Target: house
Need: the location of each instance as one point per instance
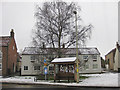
(113, 58)
(117, 58)
(18, 65)
(33, 59)
(8, 54)
(110, 59)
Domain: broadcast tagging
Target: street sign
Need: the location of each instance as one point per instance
(44, 60)
(45, 69)
(45, 64)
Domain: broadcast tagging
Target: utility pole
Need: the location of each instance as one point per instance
(76, 46)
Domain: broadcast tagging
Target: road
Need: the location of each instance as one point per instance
(46, 87)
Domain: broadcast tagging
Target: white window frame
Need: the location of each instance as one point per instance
(25, 68)
(94, 56)
(37, 68)
(85, 56)
(32, 57)
(96, 67)
(88, 66)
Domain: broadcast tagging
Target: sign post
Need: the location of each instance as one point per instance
(45, 68)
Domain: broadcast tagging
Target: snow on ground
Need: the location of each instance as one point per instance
(18, 79)
(105, 79)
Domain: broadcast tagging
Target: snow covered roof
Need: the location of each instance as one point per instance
(59, 60)
(66, 51)
(4, 41)
(89, 51)
(30, 50)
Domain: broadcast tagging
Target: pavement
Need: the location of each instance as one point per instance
(57, 85)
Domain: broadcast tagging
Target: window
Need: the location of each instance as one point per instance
(85, 57)
(25, 67)
(33, 57)
(86, 66)
(51, 68)
(94, 60)
(94, 57)
(0, 66)
(36, 67)
(13, 47)
(95, 66)
(0, 55)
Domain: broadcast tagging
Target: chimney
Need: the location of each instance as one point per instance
(117, 45)
(43, 45)
(12, 33)
(63, 45)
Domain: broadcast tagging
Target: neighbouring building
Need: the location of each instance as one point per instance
(110, 59)
(32, 62)
(113, 59)
(18, 69)
(117, 58)
(8, 54)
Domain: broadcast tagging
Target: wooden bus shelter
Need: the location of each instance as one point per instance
(65, 69)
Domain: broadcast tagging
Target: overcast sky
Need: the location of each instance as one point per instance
(102, 14)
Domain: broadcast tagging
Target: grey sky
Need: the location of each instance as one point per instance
(102, 15)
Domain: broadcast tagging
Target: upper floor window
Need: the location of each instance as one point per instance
(94, 57)
(0, 55)
(85, 57)
(32, 57)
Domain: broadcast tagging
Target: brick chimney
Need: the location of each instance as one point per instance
(63, 46)
(117, 45)
(43, 45)
(12, 33)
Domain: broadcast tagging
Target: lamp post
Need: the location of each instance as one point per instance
(76, 46)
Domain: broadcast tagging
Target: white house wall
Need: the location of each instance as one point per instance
(26, 61)
(117, 60)
(90, 62)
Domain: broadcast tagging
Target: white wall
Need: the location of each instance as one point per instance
(90, 62)
(117, 60)
(26, 61)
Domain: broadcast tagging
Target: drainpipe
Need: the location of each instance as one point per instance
(7, 63)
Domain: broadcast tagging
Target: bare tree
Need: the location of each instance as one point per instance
(55, 26)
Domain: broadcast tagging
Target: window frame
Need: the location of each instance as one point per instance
(94, 56)
(94, 66)
(87, 66)
(32, 57)
(85, 56)
(37, 68)
(25, 68)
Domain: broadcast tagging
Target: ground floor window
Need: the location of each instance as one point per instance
(86, 66)
(0, 66)
(25, 67)
(36, 67)
(95, 66)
